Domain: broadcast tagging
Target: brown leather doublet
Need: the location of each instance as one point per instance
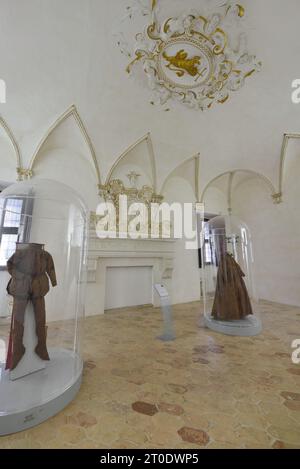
(30, 270)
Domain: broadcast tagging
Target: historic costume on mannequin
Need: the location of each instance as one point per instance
(29, 267)
(231, 298)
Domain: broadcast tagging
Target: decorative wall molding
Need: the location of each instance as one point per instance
(286, 138)
(229, 192)
(152, 160)
(71, 112)
(197, 182)
(15, 146)
(193, 59)
(27, 173)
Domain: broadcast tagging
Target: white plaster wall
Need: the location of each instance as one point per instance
(276, 242)
(55, 53)
(70, 168)
(138, 159)
(215, 201)
(186, 274)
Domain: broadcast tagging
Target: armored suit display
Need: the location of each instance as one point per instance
(231, 301)
(30, 268)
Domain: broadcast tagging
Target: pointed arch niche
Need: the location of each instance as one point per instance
(219, 194)
(183, 180)
(66, 153)
(139, 157)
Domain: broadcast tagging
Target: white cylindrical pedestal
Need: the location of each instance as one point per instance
(248, 327)
(34, 398)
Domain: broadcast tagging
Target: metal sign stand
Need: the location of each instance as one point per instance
(165, 301)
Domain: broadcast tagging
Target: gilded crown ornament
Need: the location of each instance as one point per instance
(193, 59)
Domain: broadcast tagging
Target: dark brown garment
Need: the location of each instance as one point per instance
(29, 268)
(17, 332)
(231, 301)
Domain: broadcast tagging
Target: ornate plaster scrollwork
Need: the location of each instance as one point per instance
(116, 187)
(24, 174)
(191, 58)
(111, 192)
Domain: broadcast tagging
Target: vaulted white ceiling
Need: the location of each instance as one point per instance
(55, 53)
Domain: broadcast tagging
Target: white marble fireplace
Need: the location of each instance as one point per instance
(128, 286)
(104, 254)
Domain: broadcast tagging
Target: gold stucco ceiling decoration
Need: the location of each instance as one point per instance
(193, 59)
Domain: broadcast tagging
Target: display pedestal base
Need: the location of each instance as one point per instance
(248, 327)
(34, 398)
(165, 301)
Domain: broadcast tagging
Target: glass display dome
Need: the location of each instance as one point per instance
(43, 245)
(227, 277)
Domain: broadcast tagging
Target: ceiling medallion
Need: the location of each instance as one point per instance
(190, 58)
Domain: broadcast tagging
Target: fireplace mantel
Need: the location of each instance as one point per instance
(104, 253)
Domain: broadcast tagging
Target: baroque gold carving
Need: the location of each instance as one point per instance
(24, 174)
(182, 64)
(191, 59)
(115, 188)
(112, 191)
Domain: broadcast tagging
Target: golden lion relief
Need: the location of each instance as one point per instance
(181, 64)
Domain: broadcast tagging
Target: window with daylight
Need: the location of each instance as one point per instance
(10, 228)
(208, 250)
(207, 253)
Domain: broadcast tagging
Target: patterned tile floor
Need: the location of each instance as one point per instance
(204, 390)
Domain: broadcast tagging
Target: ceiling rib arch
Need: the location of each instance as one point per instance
(69, 113)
